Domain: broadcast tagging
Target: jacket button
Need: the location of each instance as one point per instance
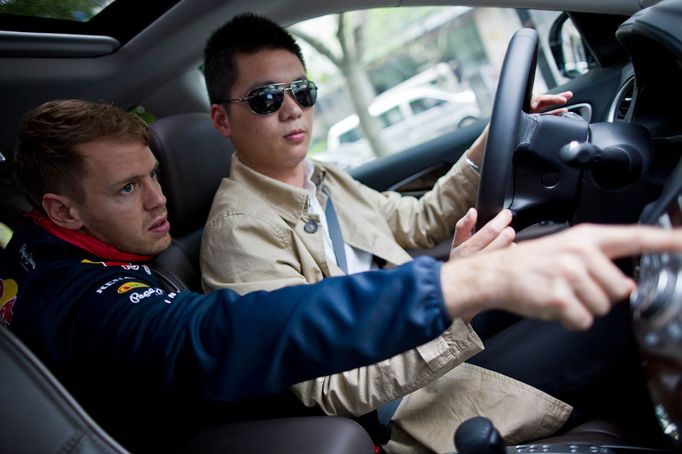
(310, 227)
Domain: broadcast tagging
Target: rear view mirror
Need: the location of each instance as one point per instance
(567, 47)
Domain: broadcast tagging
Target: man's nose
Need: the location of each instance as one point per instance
(154, 197)
(290, 107)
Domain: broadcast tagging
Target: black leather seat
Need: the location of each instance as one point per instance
(193, 158)
(37, 415)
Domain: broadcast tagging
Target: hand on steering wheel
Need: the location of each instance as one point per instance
(538, 104)
(496, 234)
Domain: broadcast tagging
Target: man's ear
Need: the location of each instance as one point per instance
(220, 120)
(62, 211)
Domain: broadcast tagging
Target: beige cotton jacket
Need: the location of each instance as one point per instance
(254, 239)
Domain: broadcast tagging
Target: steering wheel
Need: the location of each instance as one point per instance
(512, 97)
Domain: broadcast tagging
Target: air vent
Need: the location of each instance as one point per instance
(623, 102)
(624, 106)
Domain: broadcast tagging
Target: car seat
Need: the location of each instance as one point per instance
(37, 414)
(193, 158)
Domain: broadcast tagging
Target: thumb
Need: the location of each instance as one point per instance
(464, 227)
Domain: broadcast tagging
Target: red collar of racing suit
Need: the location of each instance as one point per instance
(85, 241)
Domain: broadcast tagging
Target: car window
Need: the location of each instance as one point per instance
(423, 104)
(350, 136)
(390, 117)
(399, 64)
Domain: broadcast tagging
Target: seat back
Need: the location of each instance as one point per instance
(193, 159)
(36, 413)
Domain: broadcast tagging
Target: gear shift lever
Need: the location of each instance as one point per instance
(478, 436)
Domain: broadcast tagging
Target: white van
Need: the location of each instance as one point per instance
(408, 117)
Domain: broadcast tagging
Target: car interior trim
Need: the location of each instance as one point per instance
(29, 44)
(583, 109)
(624, 95)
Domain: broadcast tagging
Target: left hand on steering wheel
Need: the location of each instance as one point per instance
(538, 104)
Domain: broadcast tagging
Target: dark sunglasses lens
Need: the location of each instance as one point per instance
(266, 100)
(305, 93)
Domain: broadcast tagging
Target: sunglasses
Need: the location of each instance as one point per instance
(269, 98)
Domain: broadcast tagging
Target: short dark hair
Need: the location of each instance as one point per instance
(46, 159)
(246, 33)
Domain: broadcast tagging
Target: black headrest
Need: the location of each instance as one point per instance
(193, 158)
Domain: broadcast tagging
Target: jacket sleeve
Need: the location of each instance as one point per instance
(424, 222)
(361, 390)
(237, 347)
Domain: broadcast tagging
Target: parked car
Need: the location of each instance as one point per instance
(408, 118)
(146, 57)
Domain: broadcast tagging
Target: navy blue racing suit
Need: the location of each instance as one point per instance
(145, 362)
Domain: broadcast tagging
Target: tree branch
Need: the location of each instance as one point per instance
(318, 45)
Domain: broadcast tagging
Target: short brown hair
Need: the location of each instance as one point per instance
(46, 159)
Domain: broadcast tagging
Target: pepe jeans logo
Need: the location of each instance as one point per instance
(8, 296)
(137, 297)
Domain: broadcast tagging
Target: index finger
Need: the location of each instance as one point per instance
(543, 101)
(623, 241)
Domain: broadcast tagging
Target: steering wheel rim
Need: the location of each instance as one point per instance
(513, 95)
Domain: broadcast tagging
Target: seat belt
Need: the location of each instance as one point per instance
(335, 234)
(386, 411)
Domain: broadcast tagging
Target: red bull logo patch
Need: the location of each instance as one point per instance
(128, 286)
(8, 296)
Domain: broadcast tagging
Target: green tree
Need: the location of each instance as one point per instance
(370, 36)
(350, 35)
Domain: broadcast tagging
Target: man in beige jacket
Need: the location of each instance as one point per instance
(268, 229)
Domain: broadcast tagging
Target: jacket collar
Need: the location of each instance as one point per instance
(84, 241)
(289, 202)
